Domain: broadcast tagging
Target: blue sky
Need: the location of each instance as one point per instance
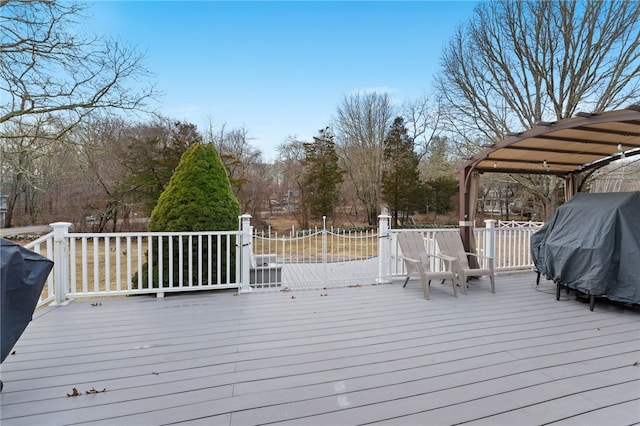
(281, 69)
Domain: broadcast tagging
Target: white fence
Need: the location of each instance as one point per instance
(320, 257)
(88, 264)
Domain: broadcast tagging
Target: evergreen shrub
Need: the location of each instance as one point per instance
(198, 198)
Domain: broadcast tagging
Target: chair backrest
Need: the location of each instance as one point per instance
(412, 245)
(450, 243)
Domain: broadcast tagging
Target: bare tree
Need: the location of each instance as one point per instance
(260, 190)
(28, 169)
(101, 144)
(49, 68)
(238, 155)
(422, 120)
(360, 127)
(153, 151)
(520, 62)
(244, 165)
(438, 161)
(291, 156)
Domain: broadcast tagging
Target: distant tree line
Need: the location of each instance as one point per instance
(69, 153)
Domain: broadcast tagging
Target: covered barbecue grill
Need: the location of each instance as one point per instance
(592, 244)
(22, 277)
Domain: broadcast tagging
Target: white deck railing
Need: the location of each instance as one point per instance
(94, 264)
(124, 263)
(101, 264)
(44, 246)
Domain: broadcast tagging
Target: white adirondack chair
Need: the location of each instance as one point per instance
(450, 244)
(417, 262)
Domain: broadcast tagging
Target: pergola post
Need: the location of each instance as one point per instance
(465, 223)
(571, 185)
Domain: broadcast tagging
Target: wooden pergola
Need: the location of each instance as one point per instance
(572, 148)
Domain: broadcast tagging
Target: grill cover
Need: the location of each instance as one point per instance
(22, 277)
(592, 244)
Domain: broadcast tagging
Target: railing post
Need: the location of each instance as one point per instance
(245, 253)
(324, 248)
(61, 260)
(384, 241)
(490, 239)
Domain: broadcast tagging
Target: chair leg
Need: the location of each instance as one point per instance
(425, 287)
(493, 283)
(406, 281)
(455, 290)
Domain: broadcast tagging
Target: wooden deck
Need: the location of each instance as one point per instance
(339, 356)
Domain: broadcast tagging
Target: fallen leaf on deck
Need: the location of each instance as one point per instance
(236, 294)
(322, 295)
(13, 353)
(293, 297)
(635, 364)
(286, 289)
(93, 390)
(153, 372)
(96, 304)
(74, 392)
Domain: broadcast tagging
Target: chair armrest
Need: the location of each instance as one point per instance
(479, 256)
(450, 261)
(409, 259)
(443, 257)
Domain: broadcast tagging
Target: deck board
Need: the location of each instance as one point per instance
(351, 355)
